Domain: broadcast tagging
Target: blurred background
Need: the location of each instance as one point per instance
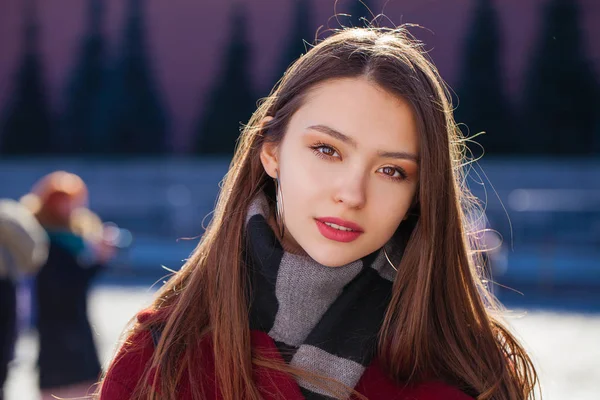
(124, 93)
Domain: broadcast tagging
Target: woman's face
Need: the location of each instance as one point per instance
(348, 169)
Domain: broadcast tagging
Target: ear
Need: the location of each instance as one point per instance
(269, 154)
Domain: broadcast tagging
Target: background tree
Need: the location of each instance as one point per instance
(84, 86)
(27, 127)
(130, 117)
(232, 101)
(299, 38)
(483, 104)
(561, 92)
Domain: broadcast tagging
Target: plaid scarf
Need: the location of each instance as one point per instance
(323, 320)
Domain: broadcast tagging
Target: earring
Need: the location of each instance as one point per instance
(279, 201)
(388, 259)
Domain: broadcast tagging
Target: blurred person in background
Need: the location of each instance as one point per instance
(23, 250)
(338, 262)
(68, 362)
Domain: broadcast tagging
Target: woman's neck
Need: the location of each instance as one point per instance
(287, 242)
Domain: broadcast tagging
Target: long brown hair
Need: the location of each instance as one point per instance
(441, 322)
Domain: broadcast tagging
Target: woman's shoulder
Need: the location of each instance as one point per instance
(150, 315)
(128, 366)
(375, 384)
(130, 363)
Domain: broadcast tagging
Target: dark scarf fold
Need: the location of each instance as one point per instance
(324, 320)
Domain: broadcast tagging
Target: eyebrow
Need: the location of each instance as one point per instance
(402, 155)
(335, 134)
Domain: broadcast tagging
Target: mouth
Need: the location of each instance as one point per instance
(338, 230)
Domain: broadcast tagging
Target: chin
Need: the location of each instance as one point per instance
(332, 258)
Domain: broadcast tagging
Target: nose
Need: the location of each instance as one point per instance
(351, 189)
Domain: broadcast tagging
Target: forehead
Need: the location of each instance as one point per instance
(362, 110)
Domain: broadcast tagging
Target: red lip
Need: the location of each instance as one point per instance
(336, 234)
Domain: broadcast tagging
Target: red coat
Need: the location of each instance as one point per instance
(124, 374)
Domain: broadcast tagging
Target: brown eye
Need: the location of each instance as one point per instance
(325, 150)
(393, 173)
(389, 171)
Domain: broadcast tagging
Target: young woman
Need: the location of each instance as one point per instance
(68, 362)
(339, 262)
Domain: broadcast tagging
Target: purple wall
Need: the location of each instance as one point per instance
(186, 38)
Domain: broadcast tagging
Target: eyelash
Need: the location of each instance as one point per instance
(316, 149)
(318, 146)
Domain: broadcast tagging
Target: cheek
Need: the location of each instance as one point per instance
(388, 205)
(305, 176)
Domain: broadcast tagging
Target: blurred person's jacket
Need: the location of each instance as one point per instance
(23, 249)
(67, 350)
(23, 241)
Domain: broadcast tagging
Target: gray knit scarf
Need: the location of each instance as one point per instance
(322, 319)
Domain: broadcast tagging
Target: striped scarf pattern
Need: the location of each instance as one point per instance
(323, 320)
